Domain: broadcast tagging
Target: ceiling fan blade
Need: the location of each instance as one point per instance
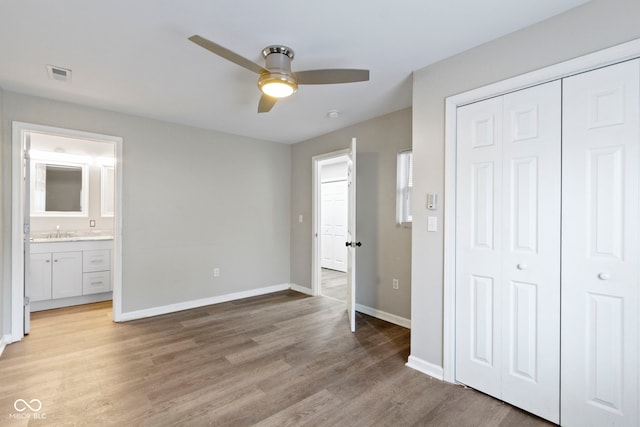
(338, 75)
(266, 103)
(227, 54)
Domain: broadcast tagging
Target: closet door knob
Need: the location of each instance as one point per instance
(522, 266)
(603, 276)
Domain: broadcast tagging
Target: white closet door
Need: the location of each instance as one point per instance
(508, 246)
(601, 135)
(334, 216)
(531, 250)
(479, 246)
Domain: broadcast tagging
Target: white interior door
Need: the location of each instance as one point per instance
(334, 218)
(531, 220)
(479, 246)
(600, 276)
(508, 248)
(351, 237)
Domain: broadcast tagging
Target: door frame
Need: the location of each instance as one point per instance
(602, 58)
(17, 220)
(316, 253)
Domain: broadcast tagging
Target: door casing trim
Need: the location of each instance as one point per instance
(17, 220)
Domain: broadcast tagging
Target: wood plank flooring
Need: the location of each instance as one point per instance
(283, 359)
(333, 284)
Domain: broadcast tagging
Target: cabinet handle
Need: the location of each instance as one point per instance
(604, 276)
(96, 283)
(48, 260)
(522, 266)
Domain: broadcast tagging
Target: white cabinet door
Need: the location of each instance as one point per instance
(67, 274)
(508, 246)
(600, 275)
(39, 277)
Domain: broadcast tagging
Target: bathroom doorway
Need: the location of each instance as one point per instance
(66, 221)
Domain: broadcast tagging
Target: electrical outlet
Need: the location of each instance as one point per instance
(216, 272)
(396, 284)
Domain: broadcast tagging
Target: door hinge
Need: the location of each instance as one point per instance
(26, 228)
(27, 301)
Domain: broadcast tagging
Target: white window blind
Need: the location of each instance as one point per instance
(404, 188)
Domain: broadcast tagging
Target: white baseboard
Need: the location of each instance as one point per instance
(383, 315)
(301, 289)
(425, 367)
(68, 302)
(186, 305)
(3, 344)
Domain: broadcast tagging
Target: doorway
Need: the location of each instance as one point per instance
(351, 242)
(94, 217)
(334, 215)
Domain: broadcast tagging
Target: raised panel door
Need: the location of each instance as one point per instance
(479, 246)
(600, 275)
(531, 249)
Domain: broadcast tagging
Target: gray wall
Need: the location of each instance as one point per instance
(193, 200)
(386, 249)
(594, 26)
(5, 242)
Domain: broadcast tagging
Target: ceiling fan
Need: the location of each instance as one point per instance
(276, 78)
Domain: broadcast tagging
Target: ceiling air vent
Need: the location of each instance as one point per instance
(59, 73)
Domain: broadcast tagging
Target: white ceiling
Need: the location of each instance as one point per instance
(133, 56)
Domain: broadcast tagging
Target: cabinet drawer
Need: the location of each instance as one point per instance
(97, 260)
(93, 283)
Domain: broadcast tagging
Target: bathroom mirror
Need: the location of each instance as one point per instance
(59, 188)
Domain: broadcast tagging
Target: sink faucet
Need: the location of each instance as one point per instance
(58, 231)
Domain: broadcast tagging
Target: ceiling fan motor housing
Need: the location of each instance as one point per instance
(278, 63)
(278, 58)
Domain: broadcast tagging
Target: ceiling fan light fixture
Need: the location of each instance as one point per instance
(277, 85)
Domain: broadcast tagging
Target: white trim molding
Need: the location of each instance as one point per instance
(301, 289)
(425, 367)
(315, 214)
(18, 131)
(187, 305)
(609, 56)
(383, 315)
(3, 343)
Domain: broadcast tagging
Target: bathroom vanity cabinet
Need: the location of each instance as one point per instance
(68, 273)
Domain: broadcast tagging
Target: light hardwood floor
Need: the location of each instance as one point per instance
(275, 360)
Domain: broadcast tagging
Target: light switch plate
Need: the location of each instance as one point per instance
(432, 223)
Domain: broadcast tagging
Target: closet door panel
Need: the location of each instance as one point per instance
(479, 246)
(531, 249)
(600, 257)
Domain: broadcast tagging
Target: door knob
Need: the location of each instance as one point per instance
(353, 244)
(603, 276)
(522, 266)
